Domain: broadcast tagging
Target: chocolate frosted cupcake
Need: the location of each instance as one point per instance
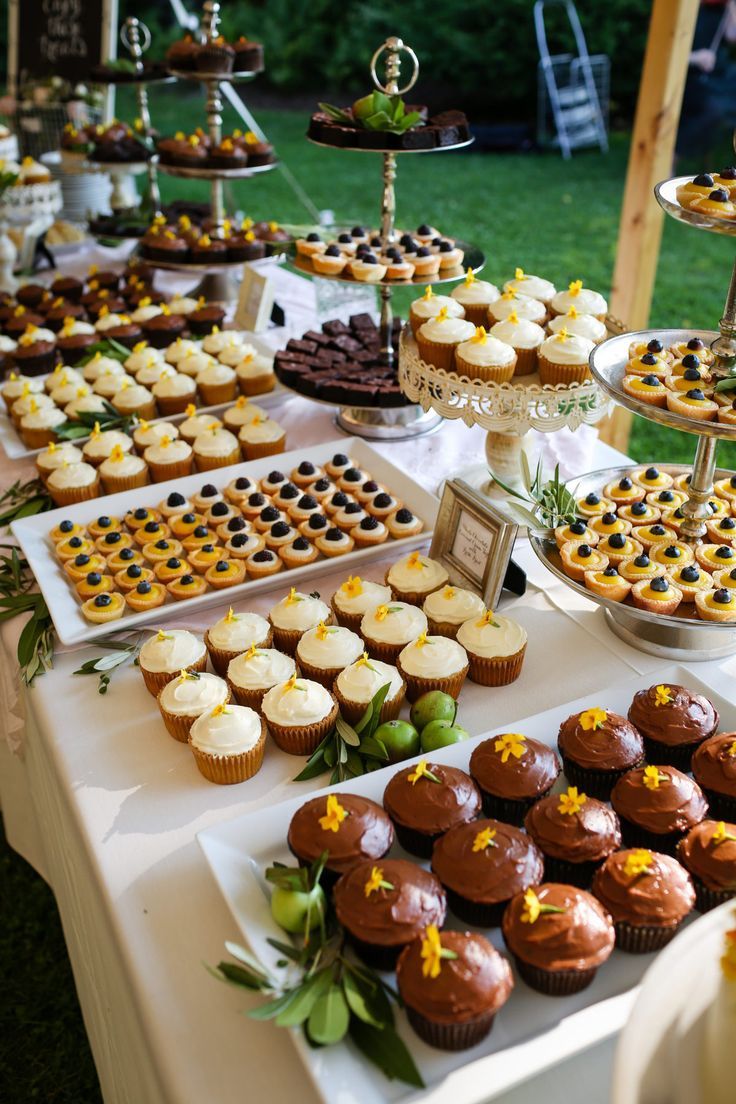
(452, 1002)
(714, 769)
(426, 800)
(657, 806)
(576, 833)
(597, 747)
(482, 865)
(382, 907)
(559, 936)
(349, 828)
(512, 771)
(708, 852)
(648, 896)
(673, 721)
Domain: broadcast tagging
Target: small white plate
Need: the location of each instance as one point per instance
(532, 1032)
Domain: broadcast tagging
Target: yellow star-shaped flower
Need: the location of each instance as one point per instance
(422, 770)
(442, 315)
(322, 631)
(575, 287)
(353, 587)
(484, 839)
(510, 743)
(375, 882)
(431, 952)
(571, 801)
(428, 293)
(480, 337)
(593, 719)
(230, 616)
(662, 695)
(721, 835)
(652, 777)
(381, 613)
(469, 278)
(638, 862)
(335, 814)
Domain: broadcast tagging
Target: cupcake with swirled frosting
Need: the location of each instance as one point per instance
(253, 673)
(187, 697)
(563, 359)
(353, 598)
(475, 296)
(430, 305)
(323, 652)
(356, 686)
(533, 287)
(228, 743)
(485, 357)
(293, 615)
(524, 337)
(234, 634)
(583, 299)
(433, 663)
(166, 653)
(414, 577)
(496, 647)
(299, 714)
(439, 337)
(448, 607)
(582, 325)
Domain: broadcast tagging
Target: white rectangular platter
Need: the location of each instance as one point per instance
(33, 536)
(531, 1032)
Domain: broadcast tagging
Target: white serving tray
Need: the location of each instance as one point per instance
(531, 1032)
(33, 536)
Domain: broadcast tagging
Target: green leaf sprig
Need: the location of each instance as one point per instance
(24, 500)
(350, 751)
(84, 423)
(108, 347)
(549, 502)
(376, 111)
(325, 992)
(36, 642)
(122, 653)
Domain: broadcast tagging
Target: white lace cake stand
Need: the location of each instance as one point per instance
(32, 206)
(507, 411)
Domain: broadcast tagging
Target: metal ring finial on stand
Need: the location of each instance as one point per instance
(394, 47)
(210, 19)
(135, 37)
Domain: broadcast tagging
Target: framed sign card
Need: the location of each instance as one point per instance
(474, 541)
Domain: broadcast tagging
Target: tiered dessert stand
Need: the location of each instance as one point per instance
(396, 423)
(680, 636)
(216, 283)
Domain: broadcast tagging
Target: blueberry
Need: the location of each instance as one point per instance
(81, 559)
(276, 477)
(642, 561)
(690, 360)
(424, 252)
(609, 518)
(679, 513)
(672, 552)
(617, 540)
(695, 393)
(424, 231)
(649, 359)
(406, 241)
(690, 574)
(264, 556)
(189, 519)
(577, 527)
(368, 524)
(411, 246)
(651, 381)
(665, 496)
(208, 491)
(175, 499)
(704, 180)
(445, 247)
(300, 544)
(222, 565)
(201, 531)
(639, 508)
(732, 574)
(696, 343)
(370, 258)
(140, 513)
(610, 572)
(692, 375)
(269, 514)
(94, 578)
(344, 239)
(362, 250)
(186, 580)
(134, 571)
(333, 535)
(376, 242)
(126, 554)
(340, 460)
(220, 509)
(382, 500)
(104, 522)
(66, 526)
(724, 552)
(592, 499)
(313, 237)
(406, 517)
(655, 345)
(289, 491)
(208, 548)
(358, 232)
(103, 600)
(332, 251)
(370, 486)
(322, 484)
(235, 524)
(584, 550)
(394, 254)
(242, 483)
(339, 499)
(75, 542)
(113, 538)
(306, 502)
(317, 521)
(727, 523)
(173, 563)
(143, 588)
(660, 585)
(658, 531)
(239, 540)
(728, 174)
(256, 499)
(651, 473)
(722, 596)
(353, 508)
(732, 482)
(719, 195)
(280, 529)
(151, 527)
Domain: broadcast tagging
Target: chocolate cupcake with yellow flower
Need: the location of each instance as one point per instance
(714, 769)
(708, 853)
(427, 799)
(576, 833)
(597, 747)
(648, 896)
(657, 806)
(512, 771)
(674, 721)
(351, 829)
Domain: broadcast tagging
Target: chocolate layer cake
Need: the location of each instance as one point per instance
(446, 129)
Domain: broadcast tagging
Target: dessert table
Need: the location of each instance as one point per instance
(106, 807)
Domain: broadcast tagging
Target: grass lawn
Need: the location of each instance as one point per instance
(556, 219)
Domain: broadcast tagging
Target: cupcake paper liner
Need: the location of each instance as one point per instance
(442, 628)
(209, 463)
(114, 483)
(68, 496)
(179, 726)
(213, 394)
(487, 373)
(526, 362)
(37, 438)
(325, 676)
(555, 983)
(227, 770)
(595, 783)
(454, 1036)
(254, 450)
(347, 620)
(672, 755)
(554, 374)
(497, 670)
(413, 597)
(220, 657)
(707, 898)
(508, 810)
(415, 687)
(286, 640)
(258, 385)
(353, 711)
(569, 873)
(245, 696)
(634, 836)
(156, 680)
(477, 313)
(416, 843)
(382, 650)
(172, 404)
(301, 739)
(644, 938)
(375, 955)
(160, 473)
(478, 913)
(721, 806)
(440, 354)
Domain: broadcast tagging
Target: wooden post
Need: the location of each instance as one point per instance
(650, 160)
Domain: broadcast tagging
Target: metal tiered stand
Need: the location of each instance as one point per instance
(216, 283)
(397, 423)
(679, 636)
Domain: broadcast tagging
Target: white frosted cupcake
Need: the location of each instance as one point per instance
(85, 403)
(388, 628)
(141, 356)
(188, 696)
(429, 306)
(261, 436)
(534, 287)
(355, 597)
(122, 471)
(299, 714)
(414, 577)
(228, 744)
(583, 299)
(174, 392)
(146, 434)
(73, 483)
(168, 652)
(110, 380)
(55, 456)
(563, 359)
(219, 339)
(180, 349)
(234, 634)
(251, 675)
(102, 442)
(582, 325)
(255, 374)
(193, 362)
(439, 337)
(184, 304)
(475, 296)
(485, 357)
(216, 384)
(168, 458)
(233, 354)
(496, 647)
(16, 386)
(450, 606)
(323, 651)
(293, 615)
(68, 389)
(433, 663)
(133, 398)
(241, 412)
(194, 424)
(215, 448)
(145, 311)
(524, 337)
(356, 686)
(524, 307)
(154, 372)
(38, 427)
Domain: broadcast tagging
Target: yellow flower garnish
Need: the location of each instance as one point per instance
(510, 743)
(415, 562)
(191, 410)
(241, 402)
(185, 675)
(480, 337)
(51, 447)
(364, 661)
(165, 441)
(291, 684)
(334, 816)
(662, 695)
(593, 719)
(484, 839)
(353, 587)
(230, 616)
(161, 635)
(219, 710)
(422, 771)
(652, 777)
(721, 834)
(213, 427)
(533, 908)
(728, 961)
(143, 424)
(322, 631)
(513, 318)
(433, 952)
(509, 295)
(254, 650)
(487, 618)
(428, 293)
(421, 640)
(638, 862)
(575, 287)
(562, 335)
(441, 315)
(117, 455)
(381, 613)
(292, 598)
(519, 274)
(572, 313)
(469, 277)
(731, 750)
(96, 431)
(448, 593)
(376, 882)
(571, 801)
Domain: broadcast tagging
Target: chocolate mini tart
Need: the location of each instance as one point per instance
(425, 803)
(366, 832)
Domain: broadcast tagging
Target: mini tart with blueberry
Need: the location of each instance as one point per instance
(724, 488)
(369, 532)
(225, 573)
(103, 608)
(688, 362)
(334, 542)
(719, 507)
(638, 568)
(577, 558)
(335, 502)
(671, 553)
(199, 538)
(173, 506)
(173, 568)
(157, 551)
(692, 404)
(576, 531)
(338, 465)
(351, 479)
(648, 364)
(183, 525)
(203, 558)
(102, 525)
(82, 564)
(690, 579)
(639, 513)
(716, 605)
(313, 526)
(305, 473)
(268, 516)
(605, 525)
(668, 499)
(700, 185)
(350, 515)
(648, 389)
(623, 491)
(280, 534)
(651, 478)
(299, 552)
(322, 488)
(654, 345)
(113, 542)
(592, 505)
(137, 519)
(220, 512)
(71, 547)
(145, 596)
(331, 262)
(721, 530)
(242, 545)
(682, 483)
(238, 489)
(607, 583)
(717, 204)
(691, 377)
(727, 414)
(253, 505)
(288, 495)
(271, 482)
(265, 562)
(94, 583)
(187, 586)
(232, 527)
(151, 532)
(66, 529)
(124, 558)
(129, 577)
(619, 547)
(674, 519)
(656, 595)
(404, 523)
(649, 535)
(725, 577)
(383, 505)
(715, 557)
(206, 498)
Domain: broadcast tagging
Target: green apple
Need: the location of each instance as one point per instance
(433, 706)
(289, 908)
(440, 733)
(400, 739)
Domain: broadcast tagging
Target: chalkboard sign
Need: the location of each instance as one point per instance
(63, 38)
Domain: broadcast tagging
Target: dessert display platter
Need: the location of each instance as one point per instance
(658, 1058)
(678, 636)
(531, 1033)
(33, 535)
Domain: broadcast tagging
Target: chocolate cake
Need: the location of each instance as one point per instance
(445, 129)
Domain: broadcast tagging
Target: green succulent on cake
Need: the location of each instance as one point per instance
(376, 111)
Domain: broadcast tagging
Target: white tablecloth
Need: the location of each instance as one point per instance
(106, 806)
